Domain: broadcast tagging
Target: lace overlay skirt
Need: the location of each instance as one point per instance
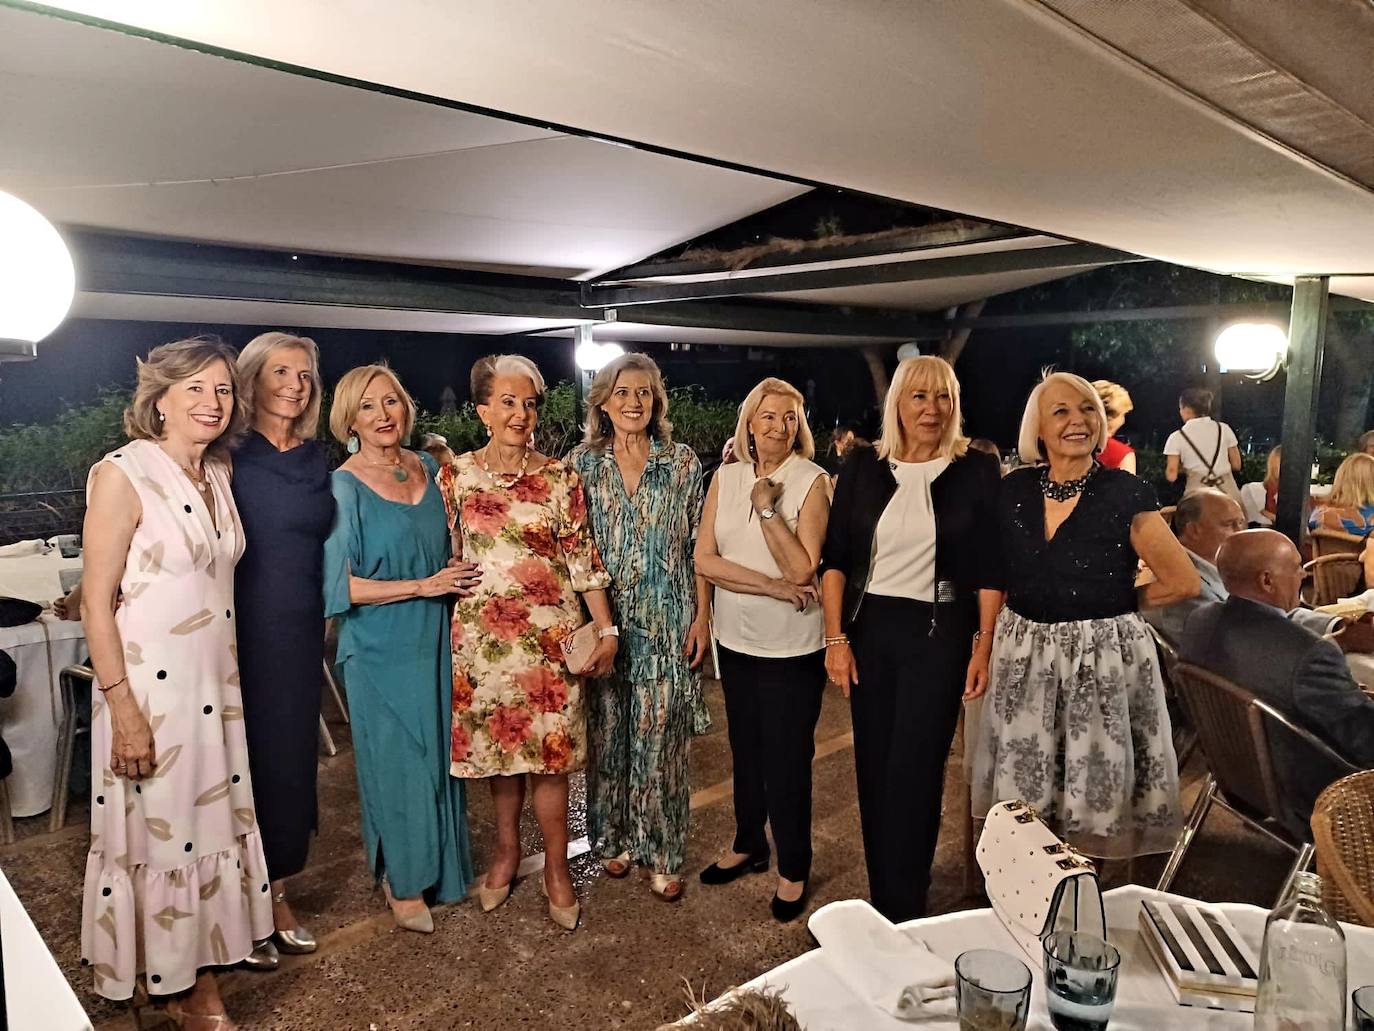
(1074, 723)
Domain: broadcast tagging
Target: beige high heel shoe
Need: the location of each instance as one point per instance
(491, 898)
(421, 922)
(565, 917)
(197, 1021)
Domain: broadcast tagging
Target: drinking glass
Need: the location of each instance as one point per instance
(1362, 1005)
(1080, 980)
(992, 990)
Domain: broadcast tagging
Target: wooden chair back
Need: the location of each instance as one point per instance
(1331, 577)
(1343, 831)
(1335, 542)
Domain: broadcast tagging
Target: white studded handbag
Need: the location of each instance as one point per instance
(1037, 884)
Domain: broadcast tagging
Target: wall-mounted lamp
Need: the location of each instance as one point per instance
(1254, 348)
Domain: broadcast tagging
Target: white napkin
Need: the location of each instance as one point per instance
(881, 965)
(22, 548)
(1366, 599)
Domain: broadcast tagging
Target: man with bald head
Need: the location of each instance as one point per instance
(1203, 522)
(1250, 640)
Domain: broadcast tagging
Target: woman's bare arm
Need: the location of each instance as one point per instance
(1176, 578)
(1171, 468)
(798, 553)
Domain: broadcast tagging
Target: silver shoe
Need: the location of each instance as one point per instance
(295, 942)
(263, 957)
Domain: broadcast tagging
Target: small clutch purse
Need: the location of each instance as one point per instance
(578, 647)
(1035, 882)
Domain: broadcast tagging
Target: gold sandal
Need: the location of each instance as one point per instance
(619, 866)
(668, 887)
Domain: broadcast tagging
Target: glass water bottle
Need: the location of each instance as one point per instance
(1302, 965)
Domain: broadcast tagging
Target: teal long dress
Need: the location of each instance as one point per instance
(395, 664)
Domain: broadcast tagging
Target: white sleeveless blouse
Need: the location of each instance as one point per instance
(750, 623)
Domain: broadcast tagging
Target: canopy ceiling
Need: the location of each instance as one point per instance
(1219, 134)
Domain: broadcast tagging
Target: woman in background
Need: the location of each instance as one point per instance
(644, 497)
(1350, 505)
(1116, 402)
(387, 578)
(1205, 450)
(281, 487)
(760, 543)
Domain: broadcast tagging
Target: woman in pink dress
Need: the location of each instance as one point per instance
(176, 882)
(517, 709)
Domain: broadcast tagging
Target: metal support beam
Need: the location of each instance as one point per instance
(1065, 256)
(1306, 341)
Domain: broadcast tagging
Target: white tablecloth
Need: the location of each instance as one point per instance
(28, 720)
(36, 993)
(822, 1002)
(35, 577)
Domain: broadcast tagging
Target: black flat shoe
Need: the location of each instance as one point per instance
(784, 911)
(716, 874)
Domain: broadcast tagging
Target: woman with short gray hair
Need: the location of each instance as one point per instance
(644, 498)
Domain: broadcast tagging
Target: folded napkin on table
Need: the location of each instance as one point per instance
(882, 965)
(19, 549)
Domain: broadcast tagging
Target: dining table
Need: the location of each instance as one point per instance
(815, 987)
(30, 718)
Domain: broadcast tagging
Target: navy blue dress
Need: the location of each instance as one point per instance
(287, 508)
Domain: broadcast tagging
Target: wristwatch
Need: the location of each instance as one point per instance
(767, 513)
(608, 631)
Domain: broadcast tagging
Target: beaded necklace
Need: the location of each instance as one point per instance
(1068, 489)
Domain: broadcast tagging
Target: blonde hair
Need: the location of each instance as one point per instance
(1028, 444)
(348, 398)
(254, 356)
(598, 432)
(1114, 396)
(924, 370)
(804, 445)
(1353, 486)
(170, 364)
(1271, 468)
(485, 370)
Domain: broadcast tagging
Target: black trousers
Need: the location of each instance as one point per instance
(771, 707)
(904, 710)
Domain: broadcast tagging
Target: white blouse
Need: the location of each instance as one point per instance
(751, 623)
(904, 542)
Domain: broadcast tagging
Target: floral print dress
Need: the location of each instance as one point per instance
(516, 708)
(640, 718)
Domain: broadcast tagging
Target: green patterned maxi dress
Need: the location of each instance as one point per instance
(639, 719)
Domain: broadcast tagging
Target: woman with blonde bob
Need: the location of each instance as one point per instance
(173, 829)
(1116, 404)
(1350, 505)
(1075, 722)
(387, 579)
(281, 487)
(911, 586)
(644, 498)
(759, 545)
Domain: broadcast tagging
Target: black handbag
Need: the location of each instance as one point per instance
(18, 611)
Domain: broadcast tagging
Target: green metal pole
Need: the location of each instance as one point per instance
(1306, 341)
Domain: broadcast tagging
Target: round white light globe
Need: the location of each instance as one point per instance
(908, 350)
(594, 357)
(1251, 346)
(37, 280)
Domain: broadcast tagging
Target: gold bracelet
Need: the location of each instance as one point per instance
(111, 687)
(841, 639)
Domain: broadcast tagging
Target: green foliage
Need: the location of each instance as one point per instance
(58, 455)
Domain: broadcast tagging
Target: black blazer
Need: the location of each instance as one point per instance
(1300, 674)
(968, 553)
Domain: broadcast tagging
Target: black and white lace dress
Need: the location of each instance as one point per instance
(1074, 721)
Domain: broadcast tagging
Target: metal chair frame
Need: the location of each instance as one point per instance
(1184, 734)
(1234, 754)
(326, 738)
(67, 733)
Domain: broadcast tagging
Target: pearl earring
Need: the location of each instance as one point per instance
(353, 444)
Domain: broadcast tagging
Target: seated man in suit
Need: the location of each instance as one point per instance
(1250, 640)
(1202, 523)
